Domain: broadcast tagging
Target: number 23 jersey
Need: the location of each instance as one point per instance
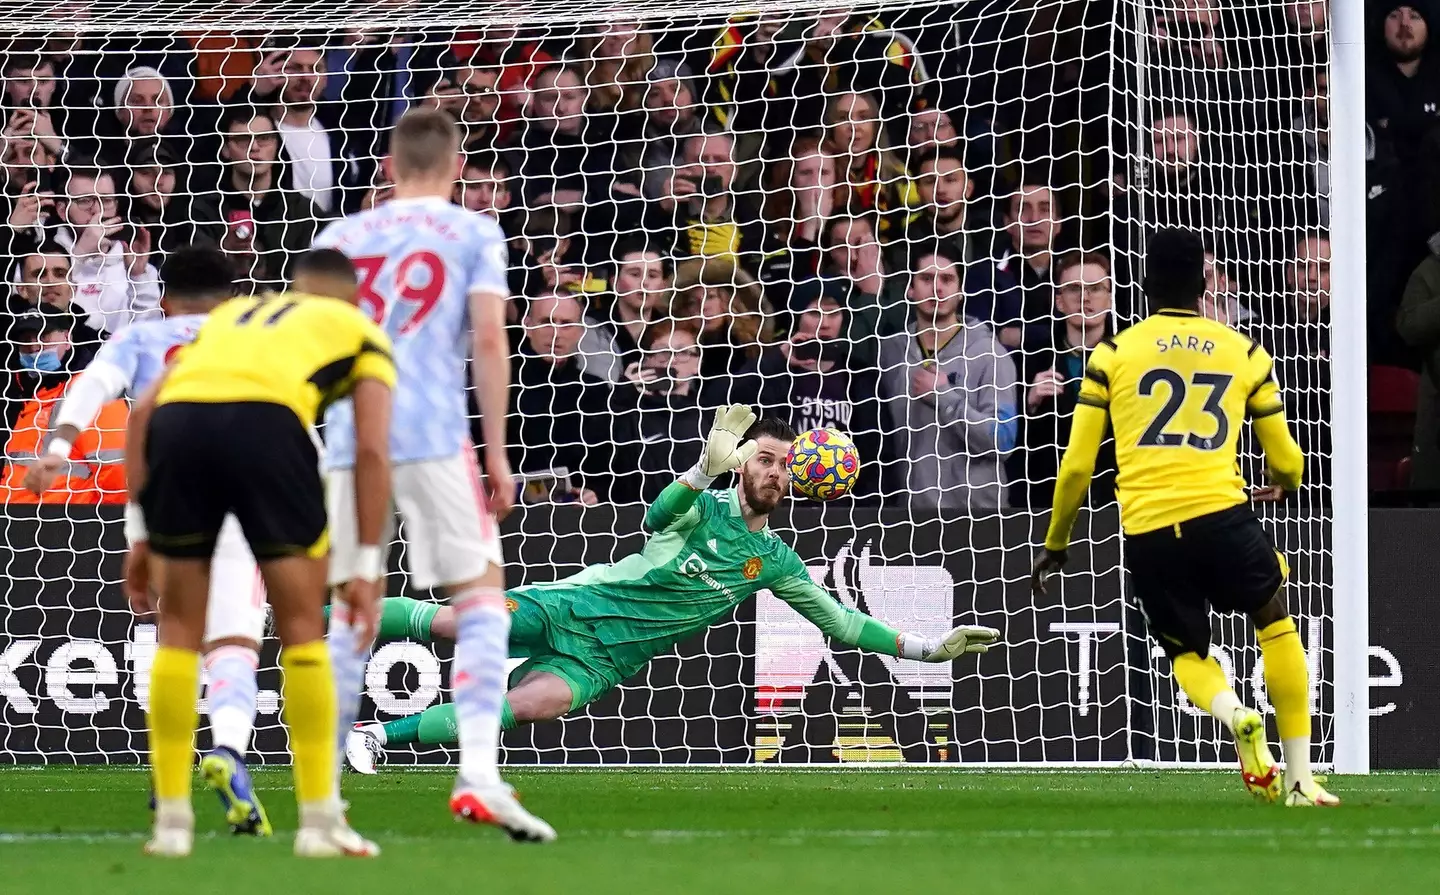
(1178, 387)
(418, 261)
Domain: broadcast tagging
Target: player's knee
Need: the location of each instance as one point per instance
(242, 642)
(543, 700)
(1271, 612)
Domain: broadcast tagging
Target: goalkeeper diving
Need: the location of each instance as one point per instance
(708, 551)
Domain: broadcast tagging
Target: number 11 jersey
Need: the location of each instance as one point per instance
(418, 261)
(1178, 387)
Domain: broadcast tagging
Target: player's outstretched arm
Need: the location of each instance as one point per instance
(725, 449)
(490, 371)
(137, 561)
(855, 628)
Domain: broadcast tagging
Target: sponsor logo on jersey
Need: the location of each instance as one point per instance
(752, 568)
(693, 565)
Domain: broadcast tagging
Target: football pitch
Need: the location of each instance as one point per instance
(78, 830)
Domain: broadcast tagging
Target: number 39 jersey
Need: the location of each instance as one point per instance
(1178, 388)
(418, 261)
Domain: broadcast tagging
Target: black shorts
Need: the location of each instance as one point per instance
(253, 459)
(1223, 559)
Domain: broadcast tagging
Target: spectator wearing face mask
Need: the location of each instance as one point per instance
(43, 368)
(811, 381)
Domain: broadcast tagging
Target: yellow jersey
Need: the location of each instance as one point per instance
(302, 351)
(1178, 387)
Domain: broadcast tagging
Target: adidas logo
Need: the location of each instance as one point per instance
(712, 545)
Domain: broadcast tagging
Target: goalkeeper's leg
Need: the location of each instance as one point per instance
(402, 618)
(540, 696)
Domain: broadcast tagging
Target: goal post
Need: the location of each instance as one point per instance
(713, 184)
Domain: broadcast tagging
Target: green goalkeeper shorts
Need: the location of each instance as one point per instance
(543, 629)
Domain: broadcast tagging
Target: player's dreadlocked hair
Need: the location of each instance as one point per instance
(772, 427)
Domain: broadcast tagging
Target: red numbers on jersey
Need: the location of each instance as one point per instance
(424, 265)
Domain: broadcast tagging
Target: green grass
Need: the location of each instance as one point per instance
(67, 831)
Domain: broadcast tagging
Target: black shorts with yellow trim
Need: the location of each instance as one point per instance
(1223, 559)
(253, 459)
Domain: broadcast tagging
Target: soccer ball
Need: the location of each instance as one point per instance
(823, 463)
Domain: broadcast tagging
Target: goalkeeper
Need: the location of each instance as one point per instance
(708, 551)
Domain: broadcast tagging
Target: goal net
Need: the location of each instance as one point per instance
(763, 202)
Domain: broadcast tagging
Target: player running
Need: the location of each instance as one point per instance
(434, 276)
(708, 551)
(1177, 388)
(226, 430)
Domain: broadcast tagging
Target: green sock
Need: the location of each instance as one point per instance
(435, 726)
(402, 617)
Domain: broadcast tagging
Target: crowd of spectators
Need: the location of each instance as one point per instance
(831, 217)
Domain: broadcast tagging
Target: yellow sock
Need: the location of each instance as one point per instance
(310, 714)
(1287, 680)
(1203, 680)
(174, 685)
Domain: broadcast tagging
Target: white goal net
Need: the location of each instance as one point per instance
(762, 202)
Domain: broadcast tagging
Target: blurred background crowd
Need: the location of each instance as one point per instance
(908, 224)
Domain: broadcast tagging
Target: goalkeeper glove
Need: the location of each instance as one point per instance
(956, 643)
(726, 447)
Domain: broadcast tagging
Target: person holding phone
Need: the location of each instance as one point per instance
(115, 281)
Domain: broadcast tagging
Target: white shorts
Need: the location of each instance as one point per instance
(237, 592)
(450, 536)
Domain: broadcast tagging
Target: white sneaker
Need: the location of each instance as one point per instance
(498, 806)
(333, 839)
(363, 748)
(174, 833)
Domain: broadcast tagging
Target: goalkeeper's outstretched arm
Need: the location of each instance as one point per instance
(726, 448)
(855, 628)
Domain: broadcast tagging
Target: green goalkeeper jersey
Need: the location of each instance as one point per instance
(700, 562)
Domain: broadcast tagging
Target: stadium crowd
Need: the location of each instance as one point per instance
(839, 218)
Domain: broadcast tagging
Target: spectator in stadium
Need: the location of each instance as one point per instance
(1031, 221)
(875, 302)
(470, 93)
(935, 127)
(1188, 35)
(484, 185)
(943, 215)
(311, 140)
(728, 308)
(28, 165)
(1299, 339)
(949, 391)
(31, 108)
(802, 193)
(702, 211)
(115, 281)
(253, 216)
(740, 91)
(855, 51)
(42, 281)
(1418, 323)
(618, 59)
(659, 421)
(46, 366)
(1313, 125)
(671, 115)
(1221, 300)
(809, 379)
(558, 411)
(1053, 373)
(1402, 83)
(872, 174)
(160, 197)
(144, 112)
(640, 290)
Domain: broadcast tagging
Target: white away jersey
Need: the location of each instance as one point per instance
(140, 351)
(418, 260)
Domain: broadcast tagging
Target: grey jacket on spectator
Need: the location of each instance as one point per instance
(951, 444)
(1419, 324)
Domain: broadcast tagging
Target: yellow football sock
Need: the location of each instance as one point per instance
(1287, 680)
(174, 685)
(310, 714)
(1203, 680)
